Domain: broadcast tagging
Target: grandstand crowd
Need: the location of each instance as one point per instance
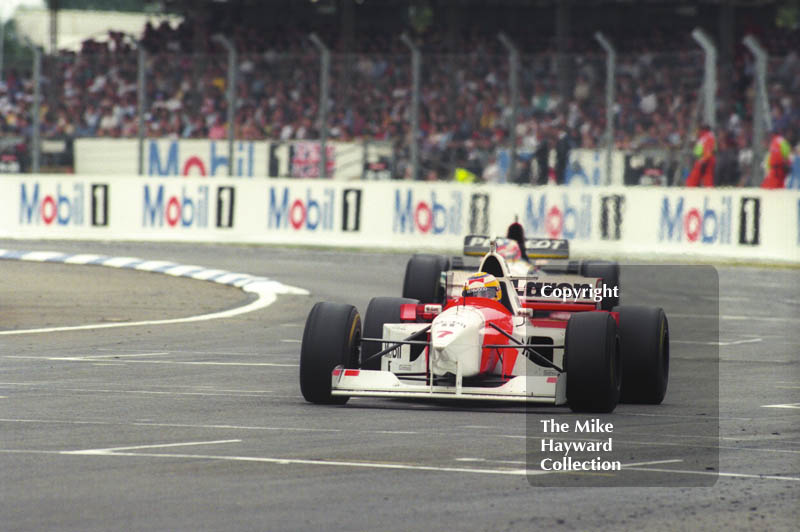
(465, 104)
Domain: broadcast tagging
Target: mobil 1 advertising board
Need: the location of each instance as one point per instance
(188, 209)
(285, 211)
(430, 215)
(41, 206)
(733, 223)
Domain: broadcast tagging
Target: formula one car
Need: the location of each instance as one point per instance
(532, 257)
(485, 345)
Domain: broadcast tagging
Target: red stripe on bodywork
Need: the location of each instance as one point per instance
(351, 372)
(552, 380)
(337, 372)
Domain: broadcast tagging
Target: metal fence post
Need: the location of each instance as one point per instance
(141, 56)
(513, 82)
(230, 93)
(416, 72)
(324, 98)
(709, 76)
(611, 67)
(36, 140)
(2, 44)
(761, 117)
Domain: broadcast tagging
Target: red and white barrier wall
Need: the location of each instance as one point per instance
(635, 222)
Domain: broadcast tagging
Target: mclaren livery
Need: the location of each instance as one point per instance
(492, 336)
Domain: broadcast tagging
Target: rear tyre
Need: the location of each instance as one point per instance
(592, 362)
(422, 280)
(644, 343)
(331, 337)
(609, 273)
(379, 311)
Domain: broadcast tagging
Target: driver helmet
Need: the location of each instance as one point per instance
(482, 284)
(509, 250)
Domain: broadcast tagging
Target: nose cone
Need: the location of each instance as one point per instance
(456, 338)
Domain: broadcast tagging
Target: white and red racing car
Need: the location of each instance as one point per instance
(487, 348)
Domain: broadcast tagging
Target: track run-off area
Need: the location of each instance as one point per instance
(137, 395)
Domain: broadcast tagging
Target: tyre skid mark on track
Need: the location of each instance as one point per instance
(266, 290)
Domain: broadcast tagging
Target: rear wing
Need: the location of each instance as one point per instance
(535, 248)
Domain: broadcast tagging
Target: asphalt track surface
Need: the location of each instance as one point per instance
(201, 425)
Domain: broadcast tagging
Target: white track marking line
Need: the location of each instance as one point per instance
(704, 418)
(94, 358)
(788, 405)
(334, 430)
(488, 460)
(317, 462)
(718, 474)
(265, 300)
(156, 392)
(734, 342)
(112, 450)
(734, 317)
(117, 452)
(635, 464)
(654, 462)
(175, 362)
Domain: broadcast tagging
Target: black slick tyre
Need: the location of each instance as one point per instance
(422, 280)
(379, 311)
(592, 362)
(644, 342)
(609, 273)
(332, 337)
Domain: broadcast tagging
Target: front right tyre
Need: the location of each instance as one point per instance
(422, 280)
(644, 343)
(592, 362)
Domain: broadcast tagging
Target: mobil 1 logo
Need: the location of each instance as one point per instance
(75, 204)
(750, 221)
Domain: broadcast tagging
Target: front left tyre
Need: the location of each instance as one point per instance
(332, 337)
(380, 310)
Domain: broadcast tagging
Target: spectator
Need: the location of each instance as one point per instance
(465, 111)
(705, 152)
(778, 162)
